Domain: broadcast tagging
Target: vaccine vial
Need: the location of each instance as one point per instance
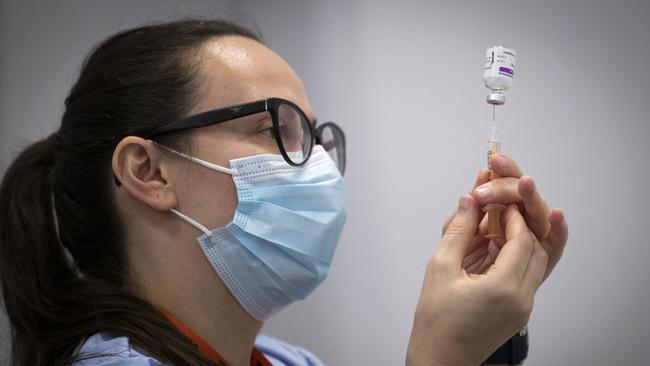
(499, 72)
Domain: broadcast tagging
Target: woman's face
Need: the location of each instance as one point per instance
(233, 70)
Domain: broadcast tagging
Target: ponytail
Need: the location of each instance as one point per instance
(32, 264)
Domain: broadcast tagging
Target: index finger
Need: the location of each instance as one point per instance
(481, 178)
(505, 166)
(537, 210)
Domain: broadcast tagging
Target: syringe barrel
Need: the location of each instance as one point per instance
(493, 147)
(493, 210)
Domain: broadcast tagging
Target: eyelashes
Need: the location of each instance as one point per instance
(265, 128)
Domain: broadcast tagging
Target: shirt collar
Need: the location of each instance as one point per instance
(257, 358)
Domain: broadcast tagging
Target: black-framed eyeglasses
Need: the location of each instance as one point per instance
(293, 132)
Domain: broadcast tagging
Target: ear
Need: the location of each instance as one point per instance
(139, 167)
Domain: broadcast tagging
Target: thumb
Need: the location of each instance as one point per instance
(459, 233)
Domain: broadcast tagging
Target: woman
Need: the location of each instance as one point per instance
(176, 129)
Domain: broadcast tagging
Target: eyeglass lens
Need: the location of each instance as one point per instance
(296, 136)
(294, 132)
(331, 138)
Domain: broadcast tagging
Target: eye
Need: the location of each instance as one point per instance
(265, 128)
(284, 129)
(268, 132)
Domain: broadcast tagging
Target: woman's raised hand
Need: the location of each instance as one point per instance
(461, 318)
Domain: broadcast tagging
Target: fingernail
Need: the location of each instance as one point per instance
(530, 178)
(501, 163)
(464, 204)
(484, 193)
(530, 189)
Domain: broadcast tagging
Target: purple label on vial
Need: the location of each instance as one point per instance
(506, 70)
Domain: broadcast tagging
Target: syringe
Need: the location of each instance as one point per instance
(493, 210)
(498, 75)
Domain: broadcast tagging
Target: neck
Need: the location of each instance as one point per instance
(184, 284)
(224, 326)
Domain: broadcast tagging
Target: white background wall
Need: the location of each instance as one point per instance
(404, 80)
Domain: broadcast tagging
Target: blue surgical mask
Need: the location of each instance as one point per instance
(281, 241)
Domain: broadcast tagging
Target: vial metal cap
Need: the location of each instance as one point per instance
(496, 98)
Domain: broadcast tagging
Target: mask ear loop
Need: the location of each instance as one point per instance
(204, 163)
(192, 222)
(68, 256)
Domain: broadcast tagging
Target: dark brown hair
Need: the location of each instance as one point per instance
(63, 276)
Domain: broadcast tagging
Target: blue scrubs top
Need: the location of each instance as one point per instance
(117, 351)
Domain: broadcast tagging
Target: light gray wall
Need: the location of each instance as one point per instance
(404, 80)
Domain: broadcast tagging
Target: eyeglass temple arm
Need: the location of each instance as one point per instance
(214, 117)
